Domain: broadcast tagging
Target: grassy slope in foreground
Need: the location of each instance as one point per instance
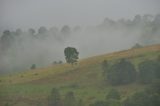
(85, 79)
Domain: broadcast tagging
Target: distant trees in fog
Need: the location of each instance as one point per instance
(145, 29)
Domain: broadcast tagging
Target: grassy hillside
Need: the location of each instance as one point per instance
(32, 87)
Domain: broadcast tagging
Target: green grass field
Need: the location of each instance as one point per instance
(32, 87)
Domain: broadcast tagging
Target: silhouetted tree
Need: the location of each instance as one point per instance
(71, 55)
(66, 30)
(33, 66)
(77, 29)
(19, 32)
(31, 31)
(137, 19)
(6, 40)
(42, 30)
(137, 45)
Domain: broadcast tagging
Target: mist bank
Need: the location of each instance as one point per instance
(20, 49)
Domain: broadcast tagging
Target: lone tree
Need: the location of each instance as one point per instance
(33, 67)
(71, 55)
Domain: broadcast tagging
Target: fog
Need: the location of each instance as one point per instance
(37, 32)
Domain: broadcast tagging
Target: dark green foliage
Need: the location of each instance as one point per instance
(70, 99)
(71, 55)
(113, 94)
(148, 71)
(122, 72)
(54, 98)
(148, 97)
(33, 66)
(138, 99)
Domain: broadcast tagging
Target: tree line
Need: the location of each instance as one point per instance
(124, 72)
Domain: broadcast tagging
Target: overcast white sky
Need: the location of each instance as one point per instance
(34, 13)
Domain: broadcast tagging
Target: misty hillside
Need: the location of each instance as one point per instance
(19, 48)
(85, 79)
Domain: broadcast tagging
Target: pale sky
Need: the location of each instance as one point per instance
(35, 13)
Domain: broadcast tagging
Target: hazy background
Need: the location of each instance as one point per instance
(92, 26)
(34, 13)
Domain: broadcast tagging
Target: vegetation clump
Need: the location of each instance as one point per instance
(122, 72)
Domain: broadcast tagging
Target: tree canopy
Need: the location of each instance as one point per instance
(71, 55)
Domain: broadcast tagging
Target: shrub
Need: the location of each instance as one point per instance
(148, 71)
(122, 72)
(148, 97)
(33, 66)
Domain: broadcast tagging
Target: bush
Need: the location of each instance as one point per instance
(148, 97)
(122, 72)
(148, 71)
(33, 66)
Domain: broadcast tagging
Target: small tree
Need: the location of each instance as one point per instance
(33, 66)
(71, 55)
(54, 98)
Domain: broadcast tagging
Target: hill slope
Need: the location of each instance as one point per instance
(32, 87)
